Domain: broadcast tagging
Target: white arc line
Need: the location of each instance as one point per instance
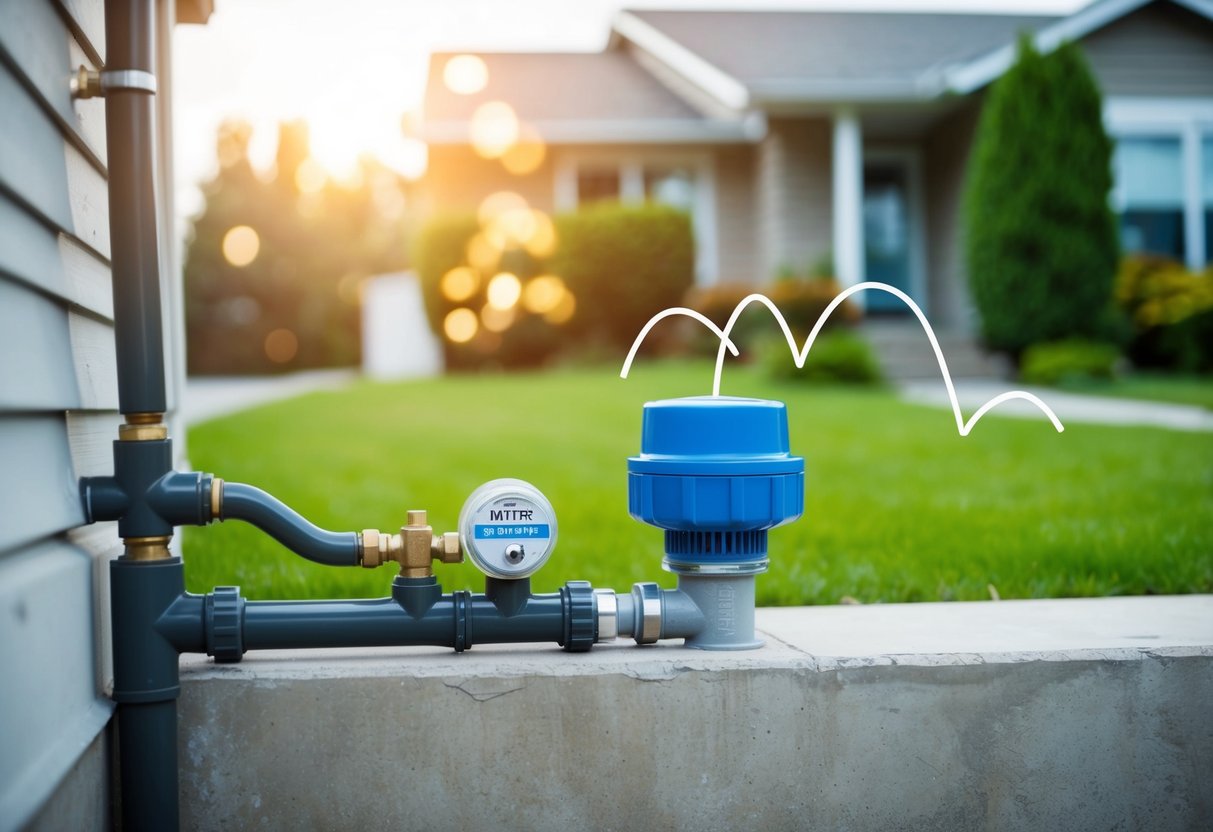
(667, 313)
(800, 355)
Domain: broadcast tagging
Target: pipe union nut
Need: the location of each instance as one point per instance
(447, 548)
(374, 548)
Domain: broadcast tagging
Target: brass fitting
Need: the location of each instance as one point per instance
(418, 537)
(216, 498)
(414, 548)
(141, 427)
(147, 548)
(446, 548)
(85, 83)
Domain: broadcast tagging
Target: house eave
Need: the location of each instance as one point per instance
(750, 129)
(781, 94)
(695, 69)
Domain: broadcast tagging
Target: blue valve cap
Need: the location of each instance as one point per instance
(712, 468)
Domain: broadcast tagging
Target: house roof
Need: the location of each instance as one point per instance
(704, 76)
(828, 55)
(567, 85)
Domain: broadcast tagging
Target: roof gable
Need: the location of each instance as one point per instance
(781, 55)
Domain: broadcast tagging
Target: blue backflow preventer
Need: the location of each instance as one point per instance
(715, 472)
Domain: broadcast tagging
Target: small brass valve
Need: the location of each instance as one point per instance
(414, 548)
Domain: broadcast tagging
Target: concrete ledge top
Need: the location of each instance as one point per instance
(812, 638)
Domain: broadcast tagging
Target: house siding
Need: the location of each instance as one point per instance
(946, 156)
(58, 417)
(793, 195)
(736, 215)
(1160, 50)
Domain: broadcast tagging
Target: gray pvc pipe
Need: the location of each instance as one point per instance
(284, 524)
(135, 254)
(727, 604)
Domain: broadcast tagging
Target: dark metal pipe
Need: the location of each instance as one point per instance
(146, 686)
(147, 748)
(134, 242)
(270, 625)
(275, 518)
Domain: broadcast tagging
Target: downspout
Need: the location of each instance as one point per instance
(146, 578)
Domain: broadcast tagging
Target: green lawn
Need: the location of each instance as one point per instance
(1176, 389)
(898, 508)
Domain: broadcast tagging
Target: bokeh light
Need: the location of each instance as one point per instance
(408, 157)
(498, 203)
(310, 176)
(482, 254)
(494, 129)
(465, 74)
(504, 291)
(543, 294)
(542, 241)
(563, 310)
(526, 154)
(281, 345)
(497, 320)
(240, 245)
(460, 325)
(459, 284)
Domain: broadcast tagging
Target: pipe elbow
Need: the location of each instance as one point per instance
(252, 505)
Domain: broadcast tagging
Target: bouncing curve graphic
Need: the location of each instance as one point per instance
(799, 355)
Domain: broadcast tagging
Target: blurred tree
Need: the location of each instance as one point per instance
(1041, 241)
(275, 261)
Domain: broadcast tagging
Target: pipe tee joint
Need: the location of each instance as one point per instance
(414, 548)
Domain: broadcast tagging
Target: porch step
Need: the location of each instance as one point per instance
(904, 352)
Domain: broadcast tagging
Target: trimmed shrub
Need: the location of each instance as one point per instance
(1071, 360)
(623, 264)
(1041, 241)
(1171, 310)
(441, 246)
(838, 357)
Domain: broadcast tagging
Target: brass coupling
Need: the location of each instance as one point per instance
(216, 498)
(147, 548)
(142, 427)
(414, 548)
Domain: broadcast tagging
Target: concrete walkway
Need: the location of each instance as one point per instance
(208, 397)
(1069, 407)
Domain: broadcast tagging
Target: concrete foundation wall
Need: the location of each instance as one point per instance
(1090, 714)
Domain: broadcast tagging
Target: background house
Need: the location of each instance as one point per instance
(58, 405)
(796, 138)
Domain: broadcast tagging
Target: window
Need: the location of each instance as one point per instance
(1164, 175)
(670, 186)
(1150, 195)
(596, 184)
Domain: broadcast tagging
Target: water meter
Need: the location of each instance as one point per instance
(508, 528)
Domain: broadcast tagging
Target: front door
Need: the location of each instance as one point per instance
(887, 235)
